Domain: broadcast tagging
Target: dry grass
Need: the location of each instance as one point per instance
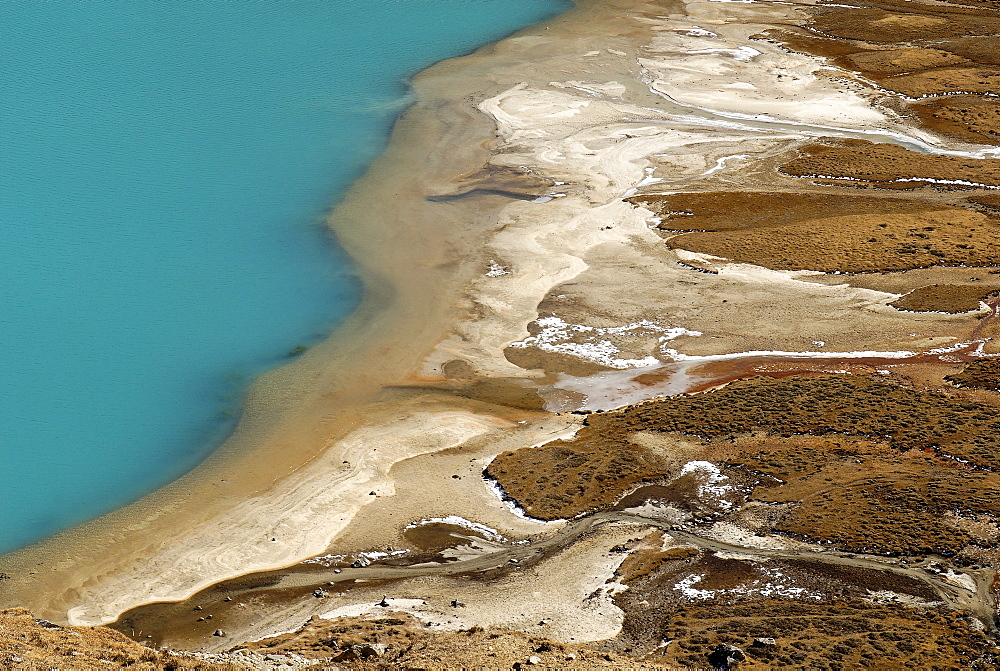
(950, 298)
(883, 163)
(31, 645)
(981, 374)
(840, 635)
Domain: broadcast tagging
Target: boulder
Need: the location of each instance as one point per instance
(725, 656)
(764, 643)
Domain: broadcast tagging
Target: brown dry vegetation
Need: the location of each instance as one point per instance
(967, 117)
(981, 374)
(856, 456)
(895, 23)
(35, 645)
(563, 480)
(857, 405)
(882, 163)
(839, 635)
(409, 644)
(918, 50)
(989, 201)
(827, 232)
(739, 210)
(863, 497)
(951, 298)
(860, 243)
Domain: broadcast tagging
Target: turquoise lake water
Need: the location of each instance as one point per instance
(165, 168)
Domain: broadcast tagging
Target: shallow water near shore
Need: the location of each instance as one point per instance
(167, 169)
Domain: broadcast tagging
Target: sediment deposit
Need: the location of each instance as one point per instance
(693, 324)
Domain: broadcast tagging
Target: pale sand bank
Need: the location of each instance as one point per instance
(620, 97)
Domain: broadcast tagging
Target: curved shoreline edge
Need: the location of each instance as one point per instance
(293, 413)
(616, 106)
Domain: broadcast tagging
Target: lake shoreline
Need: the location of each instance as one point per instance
(508, 278)
(293, 414)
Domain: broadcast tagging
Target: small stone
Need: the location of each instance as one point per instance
(228, 598)
(383, 603)
(336, 570)
(318, 593)
(764, 643)
(197, 607)
(219, 632)
(534, 659)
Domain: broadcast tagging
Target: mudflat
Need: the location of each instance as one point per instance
(678, 339)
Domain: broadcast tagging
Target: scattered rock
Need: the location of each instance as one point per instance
(764, 643)
(534, 659)
(319, 593)
(218, 632)
(361, 562)
(362, 652)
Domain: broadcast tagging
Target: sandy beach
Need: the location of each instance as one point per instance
(536, 244)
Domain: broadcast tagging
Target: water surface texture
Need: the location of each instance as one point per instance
(165, 168)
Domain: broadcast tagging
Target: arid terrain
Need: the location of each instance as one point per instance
(717, 388)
